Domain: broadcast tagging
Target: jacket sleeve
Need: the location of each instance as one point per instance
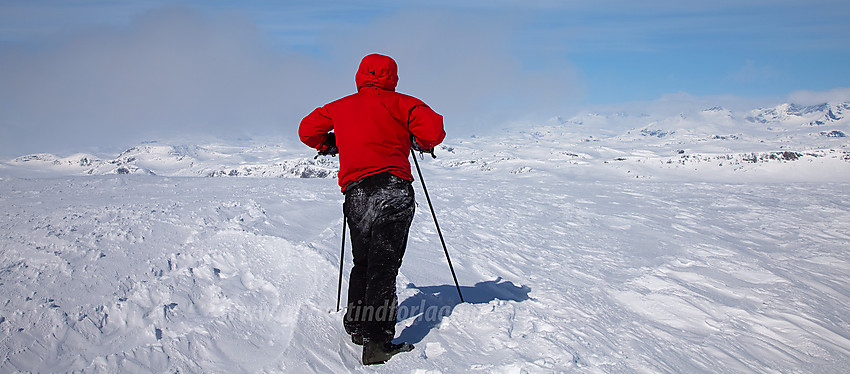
(314, 128)
(426, 125)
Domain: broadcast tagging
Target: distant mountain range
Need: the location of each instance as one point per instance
(705, 144)
(194, 161)
(816, 115)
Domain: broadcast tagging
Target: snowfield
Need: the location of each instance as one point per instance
(709, 243)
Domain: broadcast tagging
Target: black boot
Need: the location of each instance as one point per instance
(380, 352)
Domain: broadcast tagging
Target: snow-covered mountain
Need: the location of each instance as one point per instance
(188, 161)
(816, 115)
(710, 145)
(787, 140)
(601, 243)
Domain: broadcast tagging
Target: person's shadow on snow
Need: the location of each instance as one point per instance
(432, 303)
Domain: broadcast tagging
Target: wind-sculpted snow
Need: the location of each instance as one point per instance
(155, 275)
(718, 247)
(139, 274)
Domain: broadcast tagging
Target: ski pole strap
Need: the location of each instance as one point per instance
(418, 148)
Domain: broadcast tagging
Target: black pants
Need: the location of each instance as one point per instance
(379, 209)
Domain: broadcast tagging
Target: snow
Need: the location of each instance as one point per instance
(575, 252)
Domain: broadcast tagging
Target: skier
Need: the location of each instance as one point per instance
(373, 131)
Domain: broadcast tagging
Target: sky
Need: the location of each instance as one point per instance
(102, 75)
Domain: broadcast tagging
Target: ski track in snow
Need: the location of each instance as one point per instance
(158, 274)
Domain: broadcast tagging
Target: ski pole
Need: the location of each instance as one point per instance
(341, 259)
(431, 206)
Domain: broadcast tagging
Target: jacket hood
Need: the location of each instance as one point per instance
(378, 71)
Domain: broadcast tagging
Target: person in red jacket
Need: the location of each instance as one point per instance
(373, 131)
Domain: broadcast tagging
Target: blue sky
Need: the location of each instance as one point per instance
(94, 71)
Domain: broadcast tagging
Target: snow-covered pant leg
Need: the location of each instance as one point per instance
(379, 210)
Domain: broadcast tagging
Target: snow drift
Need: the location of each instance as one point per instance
(710, 242)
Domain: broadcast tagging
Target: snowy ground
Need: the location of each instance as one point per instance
(570, 260)
(164, 274)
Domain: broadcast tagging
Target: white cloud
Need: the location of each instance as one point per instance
(176, 71)
(463, 65)
(820, 97)
(173, 72)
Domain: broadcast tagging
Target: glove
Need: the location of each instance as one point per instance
(330, 147)
(418, 148)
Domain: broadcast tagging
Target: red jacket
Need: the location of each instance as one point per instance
(373, 126)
